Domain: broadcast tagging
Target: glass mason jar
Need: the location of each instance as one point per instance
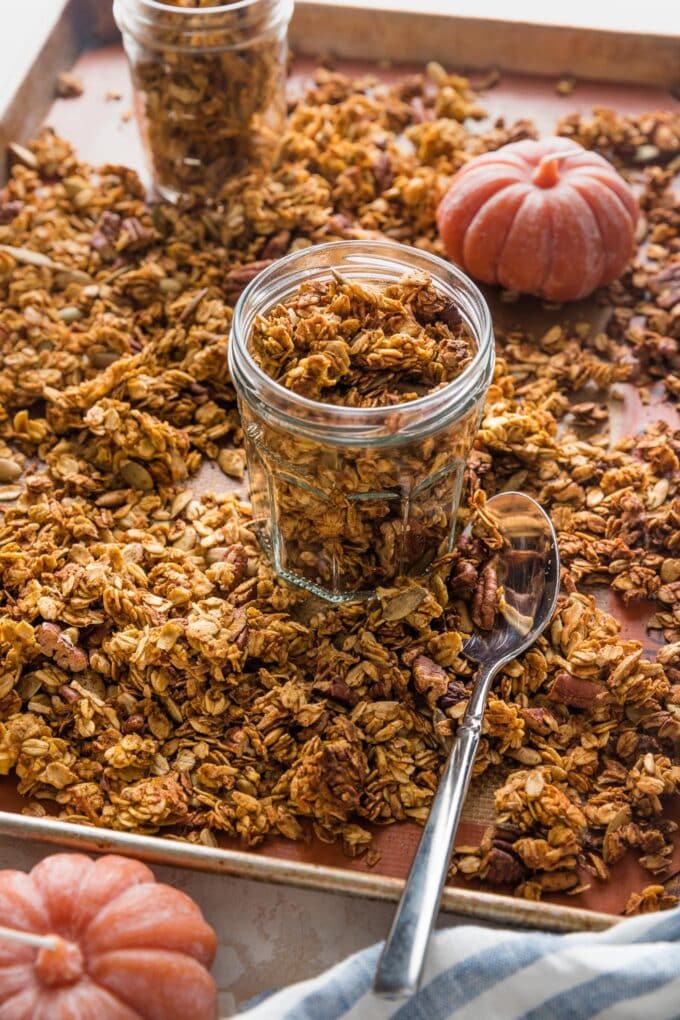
(209, 86)
(346, 499)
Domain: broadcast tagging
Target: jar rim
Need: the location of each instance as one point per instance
(315, 412)
(223, 8)
(161, 25)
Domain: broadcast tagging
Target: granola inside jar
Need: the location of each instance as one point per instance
(209, 80)
(361, 369)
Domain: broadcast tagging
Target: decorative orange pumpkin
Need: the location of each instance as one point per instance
(129, 948)
(540, 217)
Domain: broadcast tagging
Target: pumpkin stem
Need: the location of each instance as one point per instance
(547, 173)
(62, 964)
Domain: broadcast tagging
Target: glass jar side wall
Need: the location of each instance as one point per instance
(209, 100)
(347, 498)
(342, 521)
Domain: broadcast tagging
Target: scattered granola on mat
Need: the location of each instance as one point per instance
(68, 86)
(156, 677)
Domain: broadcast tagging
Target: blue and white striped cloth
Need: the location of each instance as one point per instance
(629, 972)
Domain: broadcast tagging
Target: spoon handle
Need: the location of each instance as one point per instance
(401, 964)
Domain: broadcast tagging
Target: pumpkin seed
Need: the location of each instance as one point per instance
(534, 784)
(657, 495)
(136, 476)
(23, 155)
(30, 258)
(402, 604)
(102, 359)
(71, 313)
(168, 285)
(9, 470)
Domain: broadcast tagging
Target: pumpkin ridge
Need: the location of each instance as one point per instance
(501, 253)
(107, 870)
(589, 160)
(85, 873)
(43, 875)
(608, 176)
(526, 249)
(481, 198)
(584, 198)
(105, 906)
(551, 246)
(613, 193)
(500, 196)
(478, 177)
(20, 974)
(497, 158)
(581, 243)
(109, 903)
(123, 970)
(520, 163)
(594, 208)
(17, 996)
(170, 905)
(105, 1005)
(102, 989)
(17, 885)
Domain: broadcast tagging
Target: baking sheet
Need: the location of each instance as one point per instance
(104, 131)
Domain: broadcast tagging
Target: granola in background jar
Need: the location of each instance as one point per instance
(209, 81)
(361, 370)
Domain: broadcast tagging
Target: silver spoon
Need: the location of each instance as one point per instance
(528, 567)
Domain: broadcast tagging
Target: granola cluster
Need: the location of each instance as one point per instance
(210, 93)
(359, 344)
(157, 677)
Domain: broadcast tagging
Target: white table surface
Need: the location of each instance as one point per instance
(269, 935)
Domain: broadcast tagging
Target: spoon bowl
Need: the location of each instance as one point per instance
(528, 568)
(528, 573)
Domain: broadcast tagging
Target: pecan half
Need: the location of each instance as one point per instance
(574, 691)
(455, 693)
(68, 693)
(134, 236)
(483, 610)
(430, 679)
(58, 646)
(276, 246)
(8, 210)
(502, 868)
(338, 690)
(133, 724)
(464, 577)
(102, 240)
(236, 280)
(539, 720)
(237, 558)
(383, 172)
(47, 636)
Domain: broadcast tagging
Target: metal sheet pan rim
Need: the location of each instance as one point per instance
(260, 867)
(470, 903)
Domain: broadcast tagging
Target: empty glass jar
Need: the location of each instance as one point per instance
(209, 85)
(346, 499)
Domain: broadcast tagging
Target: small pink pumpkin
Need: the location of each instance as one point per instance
(540, 217)
(129, 948)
